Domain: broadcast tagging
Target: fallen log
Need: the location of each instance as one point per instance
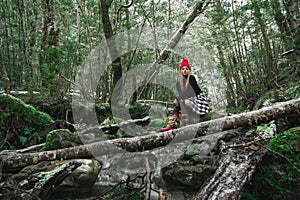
(41, 184)
(113, 128)
(236, 167)
(16, 161)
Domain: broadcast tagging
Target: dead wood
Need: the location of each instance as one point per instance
(15, 161)
(41, 186)
(113, 128)
(236, 167)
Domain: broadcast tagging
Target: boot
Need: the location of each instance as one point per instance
(172, 123)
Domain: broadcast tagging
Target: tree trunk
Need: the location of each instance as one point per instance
(236, 167)
(15, 161)
(293, 17)
(289, 26)
(49, 56)
(23, 61)
(267, 57)
(111, 43)
(4, 77)
(281, 23)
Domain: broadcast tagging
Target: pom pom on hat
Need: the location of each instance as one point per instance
(185, 62)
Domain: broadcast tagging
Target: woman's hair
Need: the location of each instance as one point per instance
(184, 85)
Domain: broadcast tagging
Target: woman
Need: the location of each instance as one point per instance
(191, 103)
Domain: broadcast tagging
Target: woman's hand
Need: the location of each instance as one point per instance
(187, 103)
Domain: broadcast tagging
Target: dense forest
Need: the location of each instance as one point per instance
(81, 66)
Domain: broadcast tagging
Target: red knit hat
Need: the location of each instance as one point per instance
(185, 62)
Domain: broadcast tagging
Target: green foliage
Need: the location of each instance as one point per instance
(279, 176)
(125, 192)
(103, 112)
(61, 138)
(29, 135)
(288, 144)
(139, 110)
(294, 90)
(22, 121)
(266, 130)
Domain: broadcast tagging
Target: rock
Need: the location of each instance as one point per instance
(191, 177)
(39, 178)
(197, 163)
(61, 138)
(201, 149)
(81, 180)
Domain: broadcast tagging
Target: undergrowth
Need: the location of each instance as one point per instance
(278, 176)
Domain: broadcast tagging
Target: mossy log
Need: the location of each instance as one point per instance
(21, 124)
(13, 161)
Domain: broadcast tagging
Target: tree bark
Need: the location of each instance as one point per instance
(49, 41)
(15, 161)
(236, 167)
(293, 17)
(281, 23)
(111, 43)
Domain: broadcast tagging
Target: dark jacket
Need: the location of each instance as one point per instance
(191, 91)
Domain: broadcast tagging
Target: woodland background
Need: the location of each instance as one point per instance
(254, 44)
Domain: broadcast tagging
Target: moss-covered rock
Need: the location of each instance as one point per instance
(191, 177)
(61, 138)
(21, 124)
(88, 113)
(157, 123)
(79, 182)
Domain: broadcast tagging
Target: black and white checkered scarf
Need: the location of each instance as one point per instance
(200, 104)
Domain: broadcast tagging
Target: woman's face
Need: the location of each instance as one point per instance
(185, 70)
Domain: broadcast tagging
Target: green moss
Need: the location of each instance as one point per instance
(157, 123)
(124, 192)
(27, 112)
(22, 121)
(60, 138)
(103, 112)
(139, 110)
(279, 173)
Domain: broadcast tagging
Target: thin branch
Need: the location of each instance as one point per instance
(61, 75)
(282, 156)
(125, 6)
(148, 180)
(288, 52)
